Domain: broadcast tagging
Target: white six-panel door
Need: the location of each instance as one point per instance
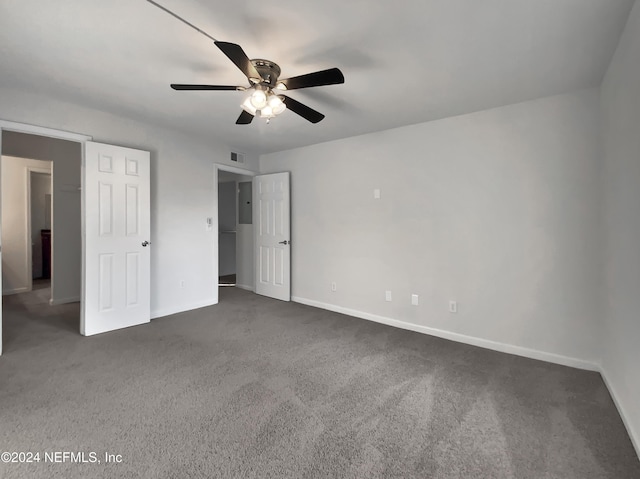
(117, 271)
(273, 236)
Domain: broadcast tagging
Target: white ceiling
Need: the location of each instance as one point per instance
(405, 61)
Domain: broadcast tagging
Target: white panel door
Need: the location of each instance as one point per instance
(272, 230)
(117, 267)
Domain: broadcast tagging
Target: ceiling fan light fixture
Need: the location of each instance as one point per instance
(258, 99)
(277, 105)
(262, 76)
(264, 104)
(248, 106)
(274, 100)
(267, 112)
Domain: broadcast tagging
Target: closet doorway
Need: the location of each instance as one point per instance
(235, 227)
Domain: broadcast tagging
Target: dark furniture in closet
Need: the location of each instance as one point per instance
(45, 236)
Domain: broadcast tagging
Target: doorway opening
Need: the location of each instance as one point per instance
(25, 186)
(39, 211)
(40, 231)
(235, 228)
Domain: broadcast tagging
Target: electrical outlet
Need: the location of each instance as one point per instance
(415, 300)
(387, 295)
(182, 283)
(334, 286)
(453, 306)
(376, 194)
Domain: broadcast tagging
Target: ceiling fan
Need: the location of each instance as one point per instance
(266, 99)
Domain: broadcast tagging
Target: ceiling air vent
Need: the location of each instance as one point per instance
(237, 157)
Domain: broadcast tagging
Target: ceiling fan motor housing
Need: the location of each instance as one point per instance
(268, 70)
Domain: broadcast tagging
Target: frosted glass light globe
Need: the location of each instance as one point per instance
(248, 106)
(276, 104)
(259, 99)
(279, 106)
(266, 112)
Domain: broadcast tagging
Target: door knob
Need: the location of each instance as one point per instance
(284, 242)
(145, 243)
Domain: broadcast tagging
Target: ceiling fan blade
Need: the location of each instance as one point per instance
(301, 109)
(332, 76)
(236, 54)
(245, 118)
(178, 86)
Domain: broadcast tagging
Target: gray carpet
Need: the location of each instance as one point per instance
(257, 388)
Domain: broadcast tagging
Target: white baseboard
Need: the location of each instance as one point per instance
(159, 313)
(634, 435)
(71, 299)
(245, 286)
(461, 338)
(7, 292)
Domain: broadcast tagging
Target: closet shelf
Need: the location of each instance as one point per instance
(227, 231)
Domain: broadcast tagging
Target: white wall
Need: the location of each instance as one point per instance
(620, 97)
(40, 218)
(496, 209)
(182, 193)
(66, 239)
(16, 274)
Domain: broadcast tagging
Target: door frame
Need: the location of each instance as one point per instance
(34, 169)
(62, 135)
(215, 230)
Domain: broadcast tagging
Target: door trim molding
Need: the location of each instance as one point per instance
(231, 169)
(43, 131)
